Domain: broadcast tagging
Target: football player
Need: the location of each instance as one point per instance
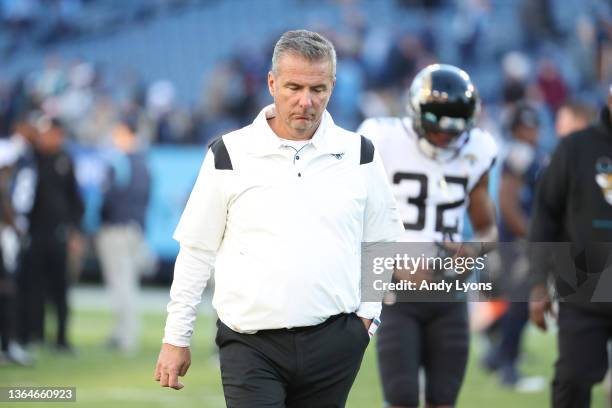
(439, 164)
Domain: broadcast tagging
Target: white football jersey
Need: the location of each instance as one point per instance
(432, 195)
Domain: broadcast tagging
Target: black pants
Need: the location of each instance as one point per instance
(512, 326)
(432, 336)
(43, 275)
(302, 368)
(516, 288)
(583, 337)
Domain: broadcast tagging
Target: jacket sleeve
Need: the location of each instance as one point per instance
(549, 208)
(200, 232)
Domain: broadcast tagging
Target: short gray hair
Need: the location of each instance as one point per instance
(307, 44)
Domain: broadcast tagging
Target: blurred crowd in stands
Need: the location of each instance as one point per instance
(31, 23)
(553, 63)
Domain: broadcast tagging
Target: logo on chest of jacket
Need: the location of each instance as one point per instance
(603, 177)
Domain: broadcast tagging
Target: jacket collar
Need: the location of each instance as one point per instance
(265, 142)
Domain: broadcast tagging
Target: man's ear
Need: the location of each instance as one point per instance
(271, 83)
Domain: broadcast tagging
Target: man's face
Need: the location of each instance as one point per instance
(527, 134)
(441, 139)
(567, 122)
(51, 139)
(123, 138)
(301, 91)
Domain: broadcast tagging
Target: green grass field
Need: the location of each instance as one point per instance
(104, 379)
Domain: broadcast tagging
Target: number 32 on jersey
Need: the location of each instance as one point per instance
(431, 208)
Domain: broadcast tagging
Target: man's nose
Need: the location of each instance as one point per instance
(306, 99)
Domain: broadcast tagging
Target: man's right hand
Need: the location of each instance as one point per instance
(173, 362)
(539, 305)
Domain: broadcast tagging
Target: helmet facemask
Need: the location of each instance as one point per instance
(443, 104)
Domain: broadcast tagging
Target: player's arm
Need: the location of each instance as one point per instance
(481, 211)
(509, 205)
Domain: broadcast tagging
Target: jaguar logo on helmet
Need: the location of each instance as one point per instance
(444, 104)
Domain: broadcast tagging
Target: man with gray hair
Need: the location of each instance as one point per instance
(280, 209)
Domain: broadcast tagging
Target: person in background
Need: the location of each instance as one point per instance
(10, 350)
(30, 298)
(520, 169)
(573, 205)
(573, 116)
(53, 219)
(120, 242)
(438, 162)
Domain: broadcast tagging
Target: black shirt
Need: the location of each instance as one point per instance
(574, 205)
(57, 202)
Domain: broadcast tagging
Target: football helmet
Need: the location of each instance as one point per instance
(444, 104)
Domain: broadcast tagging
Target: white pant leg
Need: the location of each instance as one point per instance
(117, 248)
